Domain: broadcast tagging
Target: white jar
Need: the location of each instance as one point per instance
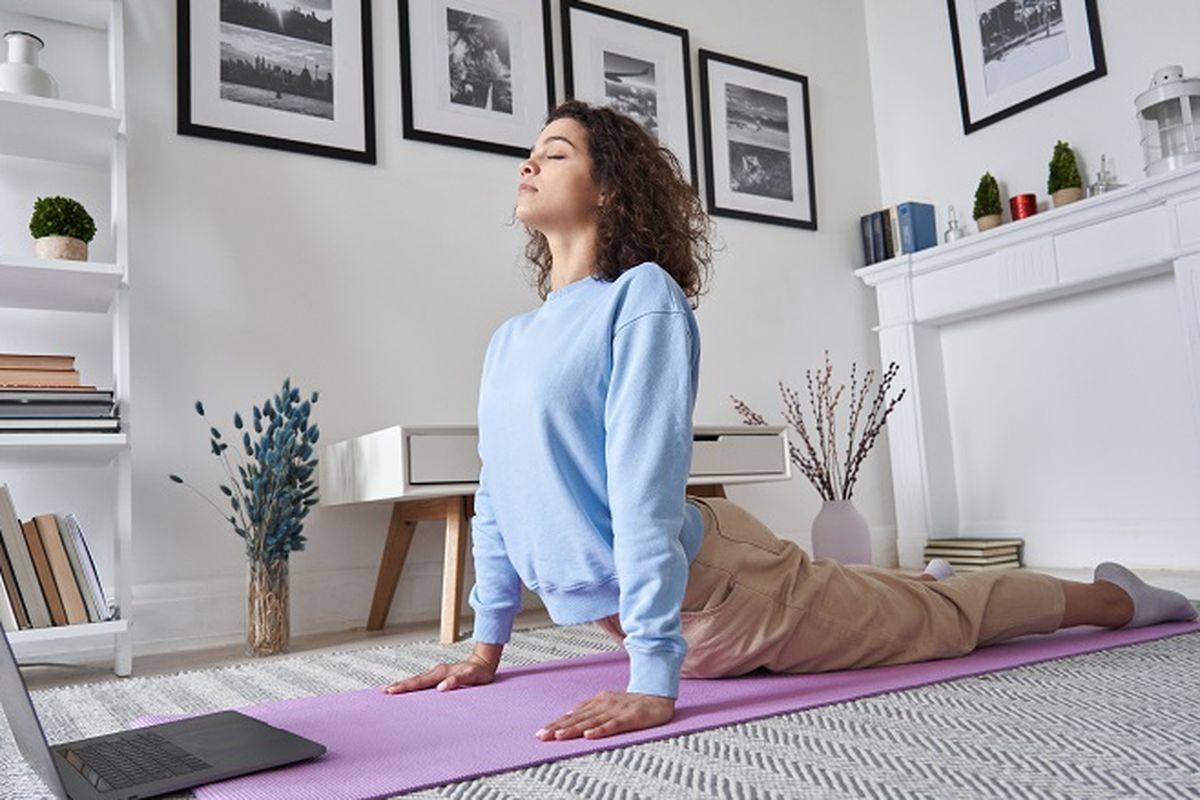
(20, 73)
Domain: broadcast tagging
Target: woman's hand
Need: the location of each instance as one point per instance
(445, 677)
(608, 713)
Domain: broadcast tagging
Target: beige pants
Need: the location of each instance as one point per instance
(754, 600)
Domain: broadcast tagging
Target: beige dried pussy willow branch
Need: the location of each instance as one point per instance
(832, 474)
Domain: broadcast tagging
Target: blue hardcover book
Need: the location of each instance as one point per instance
(918, 229)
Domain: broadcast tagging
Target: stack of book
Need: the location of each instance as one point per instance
(47, 573)
(42, 393)
(893, 231)
(975, 555)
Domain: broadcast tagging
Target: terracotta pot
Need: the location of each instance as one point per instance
(988, 221)
(64, 247)
(1064, 196)
(841, 534)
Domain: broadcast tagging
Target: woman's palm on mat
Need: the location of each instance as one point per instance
(445, 677)
(605, 714)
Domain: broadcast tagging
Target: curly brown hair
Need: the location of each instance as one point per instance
(650, 213)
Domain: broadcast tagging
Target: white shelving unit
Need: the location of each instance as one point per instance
(63, 131)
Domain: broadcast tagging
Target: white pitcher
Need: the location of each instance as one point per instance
(20, 73)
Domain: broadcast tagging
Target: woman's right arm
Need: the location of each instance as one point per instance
(496, 598)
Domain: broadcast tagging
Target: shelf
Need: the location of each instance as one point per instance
(58, 285)
(60, 449)
(56, 130)
(31, 635)
(90, 13)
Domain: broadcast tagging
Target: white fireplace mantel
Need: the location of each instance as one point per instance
(1139, 231)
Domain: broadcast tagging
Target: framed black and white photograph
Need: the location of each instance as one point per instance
(287, 74)
(637, 66)
(1014, 54)
(476, 73)
(758, 142)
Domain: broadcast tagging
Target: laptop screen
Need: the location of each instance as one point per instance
(24, 722)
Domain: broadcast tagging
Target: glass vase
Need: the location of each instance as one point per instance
(268, 607)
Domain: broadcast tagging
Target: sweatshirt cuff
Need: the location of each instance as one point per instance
(654, 673)
(494, 627)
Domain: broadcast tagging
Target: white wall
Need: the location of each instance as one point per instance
(1071, 419)
(380, 286)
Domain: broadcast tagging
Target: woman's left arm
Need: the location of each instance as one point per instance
(648, 451)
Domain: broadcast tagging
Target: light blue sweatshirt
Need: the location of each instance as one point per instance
(585, 432)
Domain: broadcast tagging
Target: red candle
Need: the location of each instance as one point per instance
(1022, 206)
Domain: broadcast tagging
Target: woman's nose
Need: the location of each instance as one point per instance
(527, 167)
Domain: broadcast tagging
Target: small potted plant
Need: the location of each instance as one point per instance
(61, 228)
(1064, 184)
(987, 203)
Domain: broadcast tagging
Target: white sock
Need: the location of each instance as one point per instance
(939, 568)
(1150, 604)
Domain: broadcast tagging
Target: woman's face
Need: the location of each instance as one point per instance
(556, 193)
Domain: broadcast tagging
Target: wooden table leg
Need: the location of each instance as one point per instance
(395, 551)
(458, 523)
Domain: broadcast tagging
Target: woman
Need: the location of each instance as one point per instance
(585, 423)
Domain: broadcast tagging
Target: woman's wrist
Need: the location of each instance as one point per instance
(487, 655)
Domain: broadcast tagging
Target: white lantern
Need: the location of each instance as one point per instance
(1169, 114)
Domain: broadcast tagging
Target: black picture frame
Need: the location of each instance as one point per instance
(1011, 58)
(211, 105)
(649, 46)
(456, 120)
(765, 172)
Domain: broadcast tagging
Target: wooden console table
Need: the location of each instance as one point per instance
(431, 473)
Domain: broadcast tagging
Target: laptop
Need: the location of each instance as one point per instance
(149, 761)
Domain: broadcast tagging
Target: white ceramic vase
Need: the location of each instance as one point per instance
(840, 533)
(20, 73)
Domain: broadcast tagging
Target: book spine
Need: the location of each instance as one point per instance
(919, 224)
(75, 557)
(41, 564)
(877, 237)
(867, 242)
(10, 587)
(889, 247)
(95, 586)
(8, 614)
(894, 225)
(60, 566)
(22, 562)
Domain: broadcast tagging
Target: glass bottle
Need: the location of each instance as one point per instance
(953, 231)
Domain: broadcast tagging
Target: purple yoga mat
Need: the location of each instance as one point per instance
(380, 745)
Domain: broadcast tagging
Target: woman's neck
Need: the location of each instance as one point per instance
(572, 257)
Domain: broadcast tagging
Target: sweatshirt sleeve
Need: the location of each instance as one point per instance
(648, 450)
(496, 595)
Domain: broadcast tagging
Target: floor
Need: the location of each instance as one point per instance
(45, 677)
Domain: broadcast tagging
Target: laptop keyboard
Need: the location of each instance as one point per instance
(130, 760)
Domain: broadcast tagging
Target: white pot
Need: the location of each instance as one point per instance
(66, 248)
(20, 73)
(840, 533)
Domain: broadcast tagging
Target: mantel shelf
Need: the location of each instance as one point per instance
(57, 130)
(89, 13)
(58, 285)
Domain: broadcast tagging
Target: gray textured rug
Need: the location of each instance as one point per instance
(1118, 723)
